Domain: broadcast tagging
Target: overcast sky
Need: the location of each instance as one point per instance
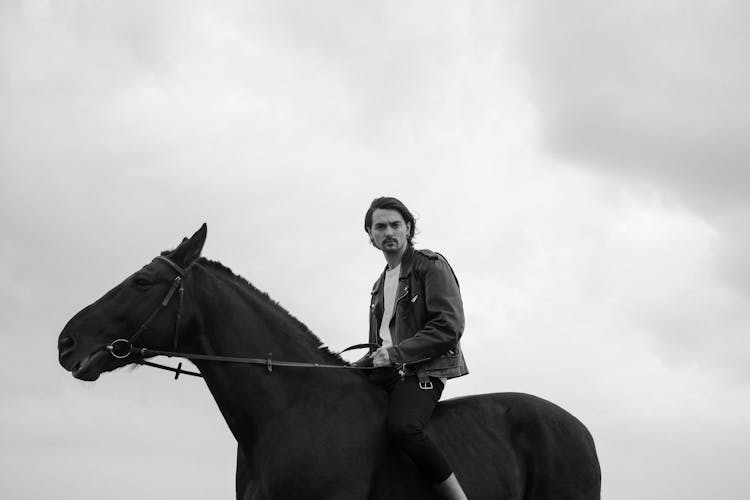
(583, 165)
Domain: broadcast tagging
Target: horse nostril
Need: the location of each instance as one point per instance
(65, 345)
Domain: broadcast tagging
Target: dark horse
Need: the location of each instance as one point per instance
(317, 433)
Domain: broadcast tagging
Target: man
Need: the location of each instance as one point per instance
(416, 317)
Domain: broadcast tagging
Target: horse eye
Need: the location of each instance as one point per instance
(142, 282)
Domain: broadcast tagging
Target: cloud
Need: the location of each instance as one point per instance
(657, 95)
(647, 89)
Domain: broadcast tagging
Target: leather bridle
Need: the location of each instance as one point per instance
(123, 348)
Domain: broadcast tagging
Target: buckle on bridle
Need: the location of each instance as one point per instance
(119, 348)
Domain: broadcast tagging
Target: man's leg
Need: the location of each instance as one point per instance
(408, 413)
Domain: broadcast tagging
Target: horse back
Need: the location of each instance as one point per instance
(516, 446)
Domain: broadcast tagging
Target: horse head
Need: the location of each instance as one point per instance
(143, 306)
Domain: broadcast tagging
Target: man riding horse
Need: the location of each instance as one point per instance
(416, 319)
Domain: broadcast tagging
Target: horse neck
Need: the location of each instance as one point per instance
(228, 317)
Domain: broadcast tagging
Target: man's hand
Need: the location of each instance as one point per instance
(380, 358)
(365, 360)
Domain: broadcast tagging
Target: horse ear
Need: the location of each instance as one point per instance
(190, 248)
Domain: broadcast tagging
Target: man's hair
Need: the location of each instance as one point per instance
(389, 203)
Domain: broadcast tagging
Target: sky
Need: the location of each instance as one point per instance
(581, 164)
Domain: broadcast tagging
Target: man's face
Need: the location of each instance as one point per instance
(389, 232)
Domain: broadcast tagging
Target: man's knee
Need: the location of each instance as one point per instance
(400, 431)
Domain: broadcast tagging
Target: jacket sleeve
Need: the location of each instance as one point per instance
(445, 317)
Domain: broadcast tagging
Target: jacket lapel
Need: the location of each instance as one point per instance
(407, 262)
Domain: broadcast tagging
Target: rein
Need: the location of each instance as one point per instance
(123, 348)
(268, 362)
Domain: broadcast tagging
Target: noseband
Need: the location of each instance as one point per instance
(122, 348)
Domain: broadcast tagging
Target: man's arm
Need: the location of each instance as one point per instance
(445, 314)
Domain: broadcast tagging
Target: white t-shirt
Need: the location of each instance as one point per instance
(390, 287)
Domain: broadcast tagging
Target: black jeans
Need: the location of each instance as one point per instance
(409, 410)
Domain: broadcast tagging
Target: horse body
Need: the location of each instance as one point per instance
(306, 433)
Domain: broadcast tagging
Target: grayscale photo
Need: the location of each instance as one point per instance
(374, 250)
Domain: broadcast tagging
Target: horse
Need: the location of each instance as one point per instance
(313, 427)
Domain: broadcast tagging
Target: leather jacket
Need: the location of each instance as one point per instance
(428, 317)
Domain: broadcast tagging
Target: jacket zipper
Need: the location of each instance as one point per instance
(406, 292)
(395, 307)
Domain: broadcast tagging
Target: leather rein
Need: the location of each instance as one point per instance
(123, 348)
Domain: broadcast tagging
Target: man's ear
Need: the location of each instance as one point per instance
(190, 248)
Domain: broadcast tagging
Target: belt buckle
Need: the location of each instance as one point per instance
(426, 385)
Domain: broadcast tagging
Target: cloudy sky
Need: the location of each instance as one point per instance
(583, 165)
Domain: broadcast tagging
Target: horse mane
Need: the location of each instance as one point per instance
(307, 334)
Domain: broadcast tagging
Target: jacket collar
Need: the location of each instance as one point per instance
(407, 263)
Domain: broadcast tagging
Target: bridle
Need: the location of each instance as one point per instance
(123, 348)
